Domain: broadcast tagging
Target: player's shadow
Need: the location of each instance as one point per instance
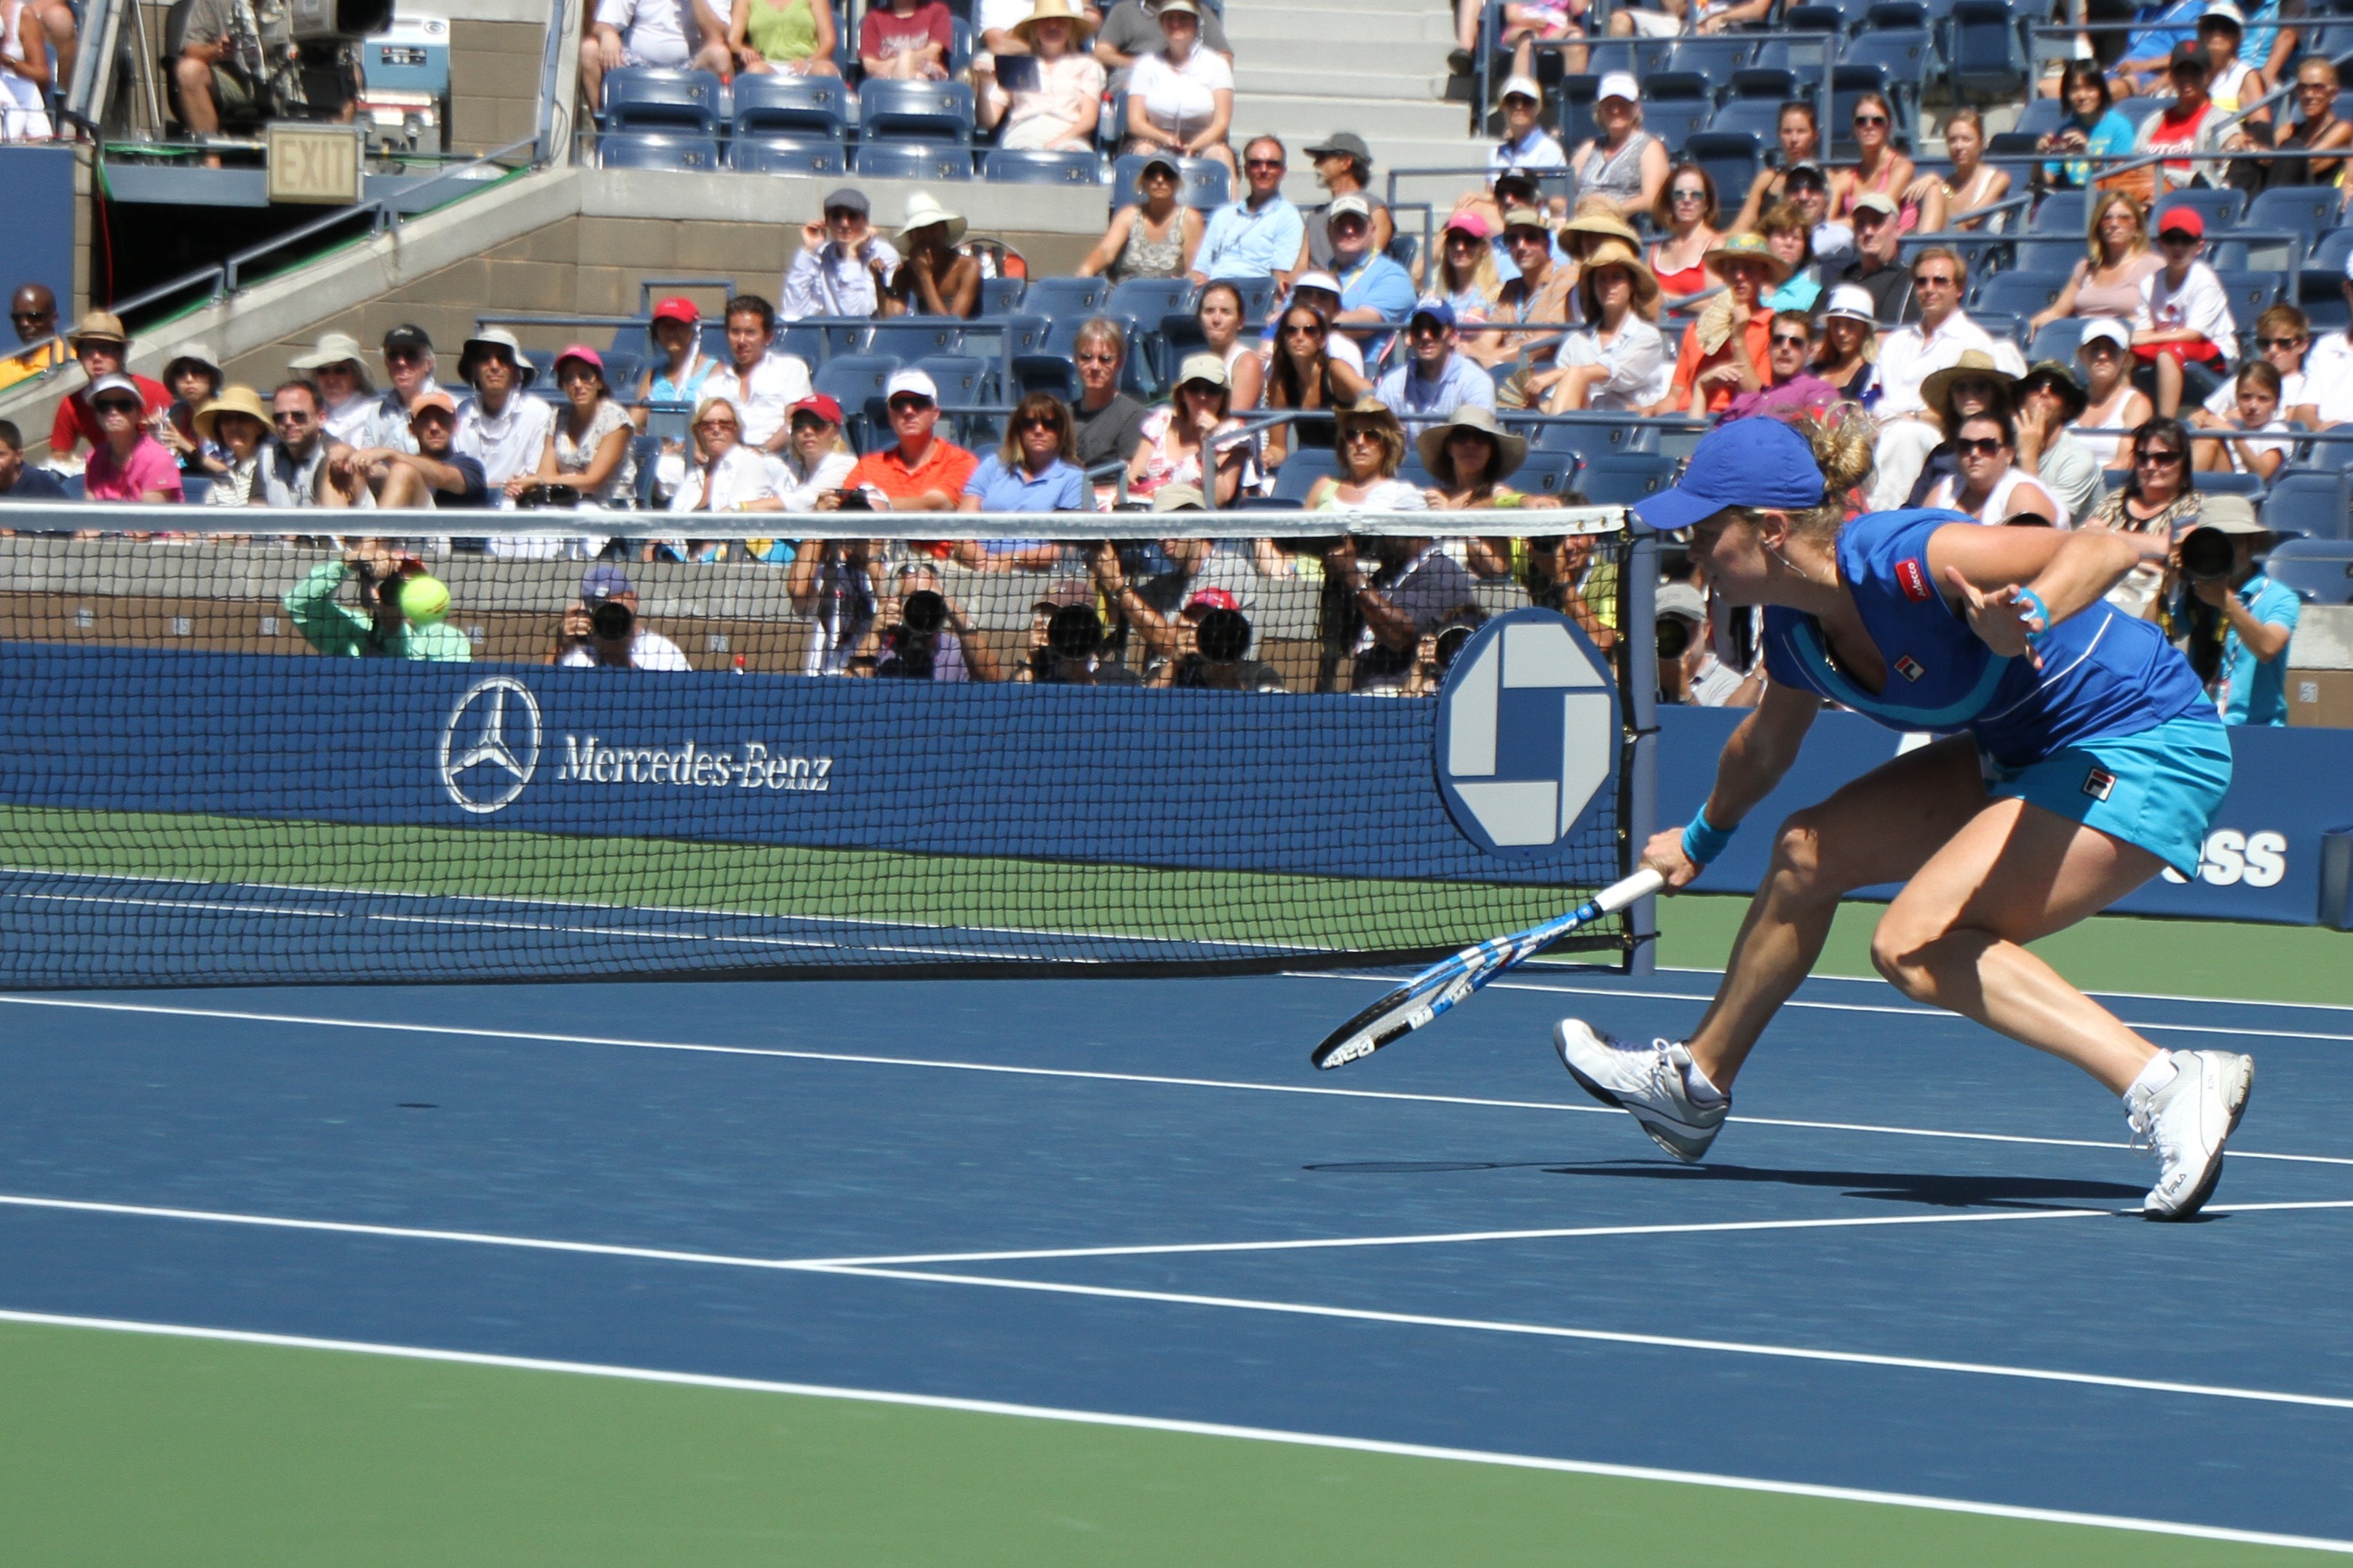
(1423, 1167)
(1933, 1189)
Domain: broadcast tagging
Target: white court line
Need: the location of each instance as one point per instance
(2125, 995)
(876, 1270)
(1165, 1080)
(1189, 1428)
(1904, 1011)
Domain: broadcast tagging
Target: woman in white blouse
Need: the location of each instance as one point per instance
(1620, 363)
(731, 477)
(1181, 100)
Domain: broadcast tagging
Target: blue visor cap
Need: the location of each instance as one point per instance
(1755, 462)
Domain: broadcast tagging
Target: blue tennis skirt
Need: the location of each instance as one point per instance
(2159, 788)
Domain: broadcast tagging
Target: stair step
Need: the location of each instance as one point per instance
(1369, 118)
(1257, 84)
(1305, 24)
(1341, 60)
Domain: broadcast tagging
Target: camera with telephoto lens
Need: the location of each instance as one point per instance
(2207, 555)
(612, 620)
(1675, 637)
(914, 643)
(1223, 637)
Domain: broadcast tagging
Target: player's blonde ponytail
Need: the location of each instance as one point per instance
(1845, 439)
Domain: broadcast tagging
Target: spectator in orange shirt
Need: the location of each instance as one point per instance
(1728, 351)
(922, 472)
(101, 346)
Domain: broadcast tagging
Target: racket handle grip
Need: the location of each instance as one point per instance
(1618, 895)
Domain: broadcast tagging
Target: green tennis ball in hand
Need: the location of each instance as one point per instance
(425, 600)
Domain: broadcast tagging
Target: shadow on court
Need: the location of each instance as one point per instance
(1938, 1190)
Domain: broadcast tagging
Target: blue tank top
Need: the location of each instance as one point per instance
(2104, 673)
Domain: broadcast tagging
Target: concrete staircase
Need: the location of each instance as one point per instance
(1305, 68)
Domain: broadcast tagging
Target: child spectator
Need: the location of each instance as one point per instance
(2182, 336)
(2257, 440)
(17, 483)
(236, 425)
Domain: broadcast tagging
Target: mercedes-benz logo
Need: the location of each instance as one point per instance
(485, 772)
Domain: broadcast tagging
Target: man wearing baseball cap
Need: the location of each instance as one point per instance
(1527, 145)
(408, 367)
(1260, 236)
(2182, 335)
(1343, 166)
(843, 266)
(1435, 380)
(921, 472)
(428, 471)
(603, 631)
(1374, 289)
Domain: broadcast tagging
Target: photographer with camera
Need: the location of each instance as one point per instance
(2234, 623)
(919, 633)
(603, 631)
(1689, 672)
(1074, 654)
(400, 609)
(1219, 659)
(836, 583)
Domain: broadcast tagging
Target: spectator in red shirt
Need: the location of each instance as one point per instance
(101, 345)
(1728, 351)
(908, 42)
(127, 463)
(922, 472)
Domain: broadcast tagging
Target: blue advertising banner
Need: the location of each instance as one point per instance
(1338, 786)
(2261, 854)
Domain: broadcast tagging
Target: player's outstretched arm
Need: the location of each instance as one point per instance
(1754, 761)
(2014, 583)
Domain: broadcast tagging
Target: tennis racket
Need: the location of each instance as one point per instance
(1430, 993)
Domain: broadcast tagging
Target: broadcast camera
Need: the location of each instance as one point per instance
(300, 59)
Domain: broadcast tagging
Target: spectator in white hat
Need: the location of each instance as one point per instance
(1527, 145)
(498, 426)
(1844, 358)
(2111, 401)
(920, 472)
(1180, 97)
(1625, 165)
(936, 280)
(343, 381)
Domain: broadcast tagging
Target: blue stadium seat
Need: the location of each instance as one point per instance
(1676, 87)
(1731, 159)
(787, 155)
(646, 150)
(2252, 291)
(1677, 121)
(2138, 109)
(1623, 479)
(1149, 299)
(2061, 212)
(804, 341)
(2331, 250)
(2015, 293)
(1014, 166)
(2220, 209)
(856, 382)
(2307, 210)
(1257, 297)
(1576, 123)
(2039, 118)
(2314, 502)
(913, 161)
(2320, 570)
(927, 111)
(804, 107)
(196, 489)
(1001, 296)
(2058, 340)
(1775, 84)
(1300, 469)
(1054, 297)
(2046, 253)
(1759, 116)
(961, 378)
(2222, 484)
(2321, 297)
(639, 98)
(1887, 14)
(1715, 58)
(913, 337)
(1181, 334)
(1547, 473)
(1984, 52)
(1902, 53)
(1205, 186)
(1591, 437)
(1815, 16)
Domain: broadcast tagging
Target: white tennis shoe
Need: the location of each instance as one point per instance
(2184, 1125)
(1646, 1081)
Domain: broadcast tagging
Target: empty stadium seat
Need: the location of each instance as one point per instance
(804, 107)
(1985, 54)
(1300, 469)
(787, 155)
(2314, 502)
(2047, 253)
(926, 111)
(1902, 53)
(1591, 437)
(1759, 116)
(2320, 570)
(2331, 250)
(2058, 339)
(641, 98)
(2252, 292)
(1623, 479)
(648, 149)
(2301, 209)
(913, 337)
(1001, 296)
(1775, 84)
(1054, 297)
(913, 161)
(2061, 212)
(1717, 57)
(2217, 483)
(1576, 121)
(2015, 293)
(2321, 297)
(1015, 166)
(856, 382)
(1149, 299)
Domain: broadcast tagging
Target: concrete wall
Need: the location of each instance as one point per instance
(493, 82)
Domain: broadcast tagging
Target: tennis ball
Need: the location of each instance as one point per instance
(425, 600)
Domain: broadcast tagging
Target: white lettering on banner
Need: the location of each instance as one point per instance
(693, 765)
(2231, 858)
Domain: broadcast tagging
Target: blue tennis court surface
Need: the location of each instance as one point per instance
(1910, 1267)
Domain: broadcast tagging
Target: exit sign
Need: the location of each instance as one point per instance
(315, 163)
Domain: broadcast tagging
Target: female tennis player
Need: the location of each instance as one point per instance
(2080, 757)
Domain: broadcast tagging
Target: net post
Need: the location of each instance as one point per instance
(1637, 634)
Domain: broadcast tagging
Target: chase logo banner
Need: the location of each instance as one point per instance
(1527, 733)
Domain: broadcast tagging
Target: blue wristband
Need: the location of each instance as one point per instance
(2033, 601)
(1704, 841)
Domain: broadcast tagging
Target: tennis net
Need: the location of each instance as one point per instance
(1106, 743)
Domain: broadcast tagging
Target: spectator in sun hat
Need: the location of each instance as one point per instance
(428, 472)
(817, 459)
(1063, 98)
(1155, 237)
(1844, 355)
(761, 380)
(195, 378)
(842, 267)
(1728, 351)
(498, 426)
(604, 630)
(1434, 381)
(2235, 627)
(919, 471)
(127, 464)
(1527, 145)
(1625, 165)
(935, 278)
(1180, 97)
(101, 346)
(588, 444)
(2182, 337)
(679, 367)
(1261, 236)
(2047, 400)
(334, 365)
(1343, 166)
(235, 424)
(1469, 457)
(1618, 362)
(408, 373)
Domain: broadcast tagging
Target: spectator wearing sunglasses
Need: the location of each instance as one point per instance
(102, 347)
(408, 369)
(2327, 394)
(1261, 234)
(817, 460)
(919, 471)
(843, 267)
(2157, 499)
(2317, 129)
(1308, 373)
(1910, 429)
(297, 466)
(1879, 168)
(1154, 237)
(2182, 337)
(2283, 336)
(1033, 472)
(1435, 380)
(1989, 486)
(127, 463)
(33, 312)
(1109, 422)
